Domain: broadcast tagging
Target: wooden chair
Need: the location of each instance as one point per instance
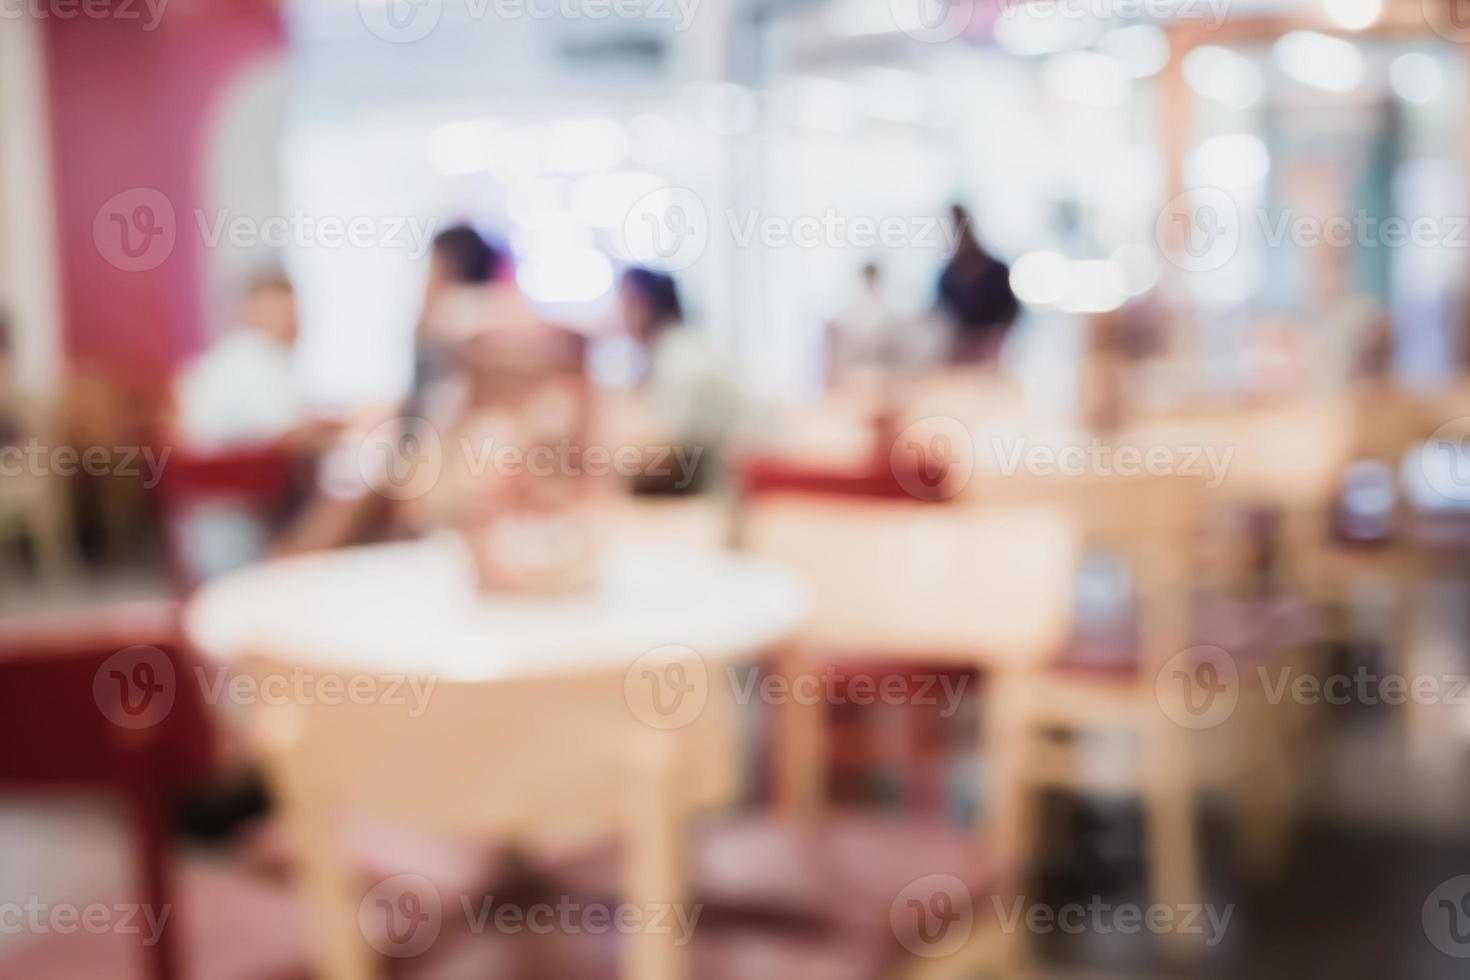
(103, 406)
(1151, 524)
(938, 585)
(257, 479)
(37, 504)
(1284, 460)
(1396, 436)
(553, 758)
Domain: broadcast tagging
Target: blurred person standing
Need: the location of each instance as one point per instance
(975, 295)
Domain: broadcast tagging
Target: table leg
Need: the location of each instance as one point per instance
(800, 749)
(1172, 831)
(654, 881)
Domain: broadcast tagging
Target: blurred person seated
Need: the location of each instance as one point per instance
(243, 390)
(240, 396)
(513, 419)
(975, 296)
(459, 257)
(694, 405)
(344, 511)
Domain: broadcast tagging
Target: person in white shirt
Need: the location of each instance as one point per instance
(861, 337)
(240, 393)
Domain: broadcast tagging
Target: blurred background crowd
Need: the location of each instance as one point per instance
(727, 488)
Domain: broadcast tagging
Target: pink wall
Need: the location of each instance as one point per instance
(129, 113)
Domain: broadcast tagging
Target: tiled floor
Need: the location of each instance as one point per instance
(1348, 905)
(61, 850)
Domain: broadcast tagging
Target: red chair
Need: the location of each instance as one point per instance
(259, 478)
(764, 476)
(923, 751)
(894, 471)
(111, 706)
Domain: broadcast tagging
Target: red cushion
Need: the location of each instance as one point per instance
(261, 473)
(876, 481)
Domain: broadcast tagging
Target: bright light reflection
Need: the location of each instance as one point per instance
(1230, 161)
(1142, 49)
(1353, 15)
(1328, 63)
(1140, 268)
(565, 275)
(1086, 77)
(1223, 76)
(1094, 286)
(1039, 278)
(1031, 29)
(1416, 77)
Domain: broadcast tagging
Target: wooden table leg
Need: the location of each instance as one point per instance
(1171, 827)
(654, 872)
(800, 750)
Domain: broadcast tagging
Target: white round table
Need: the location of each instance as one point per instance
(533, 728)
(413, 608)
